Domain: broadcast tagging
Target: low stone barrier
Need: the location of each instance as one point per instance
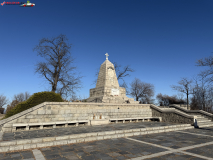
(172, 115)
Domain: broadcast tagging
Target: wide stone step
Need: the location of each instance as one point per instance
(198, 116)
(205, 125)
(203, 121)
(7, 146)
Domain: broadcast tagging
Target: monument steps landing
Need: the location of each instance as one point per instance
(15, 145)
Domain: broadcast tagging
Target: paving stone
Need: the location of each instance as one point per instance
(114, 149)
(60, 158)
(44, 149)
(17, 158)
(80, 154)
(6, 158)
(205, 151)
(114, 154)
(173, 156)
(107, 158)
(135, 151)
(121, 158)
(77, 130)
(131, 155)
(89, 157)
(52, 156)
(65, 146)
(102, 155)
(15, 155)
(49, 152)
(123, 152)
(27, 154)
(67, 150)
(71, 156)
(2, 155)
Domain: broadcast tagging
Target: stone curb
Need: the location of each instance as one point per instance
(8, 146)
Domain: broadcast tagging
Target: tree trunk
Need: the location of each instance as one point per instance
(54, 88)
(187, 99)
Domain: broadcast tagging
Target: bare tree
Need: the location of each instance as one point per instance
(75, 98)
(12, 105)
(17, 98)
(202, 93)
(185, 87)
(165, 100)
(57, 70)
(141, 91)
(22, 96)
(207, 62)
(162, 99)
(124, 72)
(3, 100)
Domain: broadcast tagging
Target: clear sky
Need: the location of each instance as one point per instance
(160, 39)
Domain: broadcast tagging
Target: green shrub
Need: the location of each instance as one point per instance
(35, 99)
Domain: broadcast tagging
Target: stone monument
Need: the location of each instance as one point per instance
(107, 88)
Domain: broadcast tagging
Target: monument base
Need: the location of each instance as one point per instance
(99, 122)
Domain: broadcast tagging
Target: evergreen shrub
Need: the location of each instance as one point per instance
(35, 99)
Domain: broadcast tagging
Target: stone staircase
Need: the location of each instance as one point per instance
(204, 119)
(203, 122)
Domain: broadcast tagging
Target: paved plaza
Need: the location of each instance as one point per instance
(191, 144)
(78, 130)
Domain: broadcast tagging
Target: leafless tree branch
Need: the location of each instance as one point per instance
(57, 70)
(184, 87)
(141, 91)
(3, 100)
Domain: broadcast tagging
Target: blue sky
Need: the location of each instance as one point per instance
(160, 39)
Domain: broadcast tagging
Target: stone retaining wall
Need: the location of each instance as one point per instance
(67, 111)
(71, 111)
